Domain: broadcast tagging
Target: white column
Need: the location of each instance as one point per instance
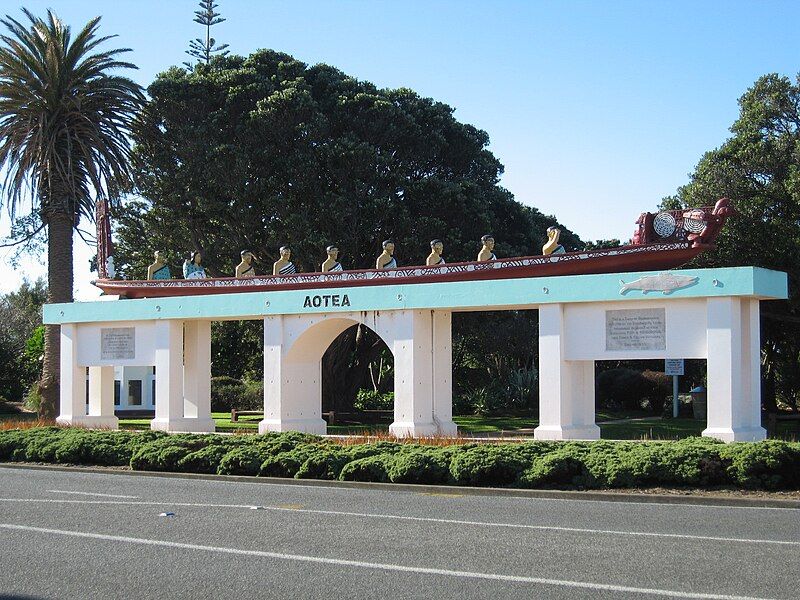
(413, 374)
(168, 341)
(101, 399)
(566, 388)
(734, 370)
(443, 373)
(293, 381)
(73, 378)
(197, 376)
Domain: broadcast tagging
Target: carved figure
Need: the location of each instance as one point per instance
(487, 251)
(386, 260)
(332, 263)
(552, 246)
(284, 266)
(245, 267)
(111, 270)
(716, 220)
(159, 269)
(435, 257)
(192, 269)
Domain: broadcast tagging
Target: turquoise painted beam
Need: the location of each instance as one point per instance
(458, 296)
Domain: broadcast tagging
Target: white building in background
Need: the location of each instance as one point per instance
(134, 388)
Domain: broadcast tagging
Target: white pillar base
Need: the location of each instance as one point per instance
(404, 429)
(748, 434)
(446, 428)
(315, 426)
(565, 432)
(183, 425)
(89, 421)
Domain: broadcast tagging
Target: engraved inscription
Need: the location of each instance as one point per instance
(637, 329)
(117, 343)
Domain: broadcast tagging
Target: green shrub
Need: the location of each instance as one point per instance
(41, 444)
(428, 466)
(11, 440)
(622, 389)
(771, 464)
(325, 464)
(660, 389)
(375, 448)
(370, 468)
(206, 460)
(488, 464)
(242, 460)
(287, 464)
(373, 400)
(558, 468)
(82, 447)
(228, 393)
(689, 462)
(164, 453)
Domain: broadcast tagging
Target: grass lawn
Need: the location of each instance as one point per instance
(645, 428)
(639, 426)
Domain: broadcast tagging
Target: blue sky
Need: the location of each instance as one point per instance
(596, 109)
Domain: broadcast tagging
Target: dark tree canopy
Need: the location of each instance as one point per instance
(254, 153)
(257, 152)
(759, 169)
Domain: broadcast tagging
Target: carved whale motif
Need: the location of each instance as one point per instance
(666, 283)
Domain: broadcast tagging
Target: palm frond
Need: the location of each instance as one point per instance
(65, 116)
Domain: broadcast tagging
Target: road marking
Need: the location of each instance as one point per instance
(91, 494)
(291, 508)
(585, 585)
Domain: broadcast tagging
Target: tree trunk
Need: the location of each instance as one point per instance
(59, 289)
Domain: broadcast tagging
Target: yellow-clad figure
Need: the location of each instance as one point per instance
(159, 269)
(487, 251)
(332, 264)
(552, 246)
(435, 257)
(245, 268)
(284, 266)
(386, 260)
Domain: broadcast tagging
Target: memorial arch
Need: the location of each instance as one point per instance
(710, 314)
(420, 341)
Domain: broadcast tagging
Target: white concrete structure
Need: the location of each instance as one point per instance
(709, 314)
(418, 339)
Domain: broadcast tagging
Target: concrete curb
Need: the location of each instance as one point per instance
(445, 490)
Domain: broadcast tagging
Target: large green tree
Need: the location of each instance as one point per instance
(759, 168)
(64, 119)
(261, 151)
(20, 316)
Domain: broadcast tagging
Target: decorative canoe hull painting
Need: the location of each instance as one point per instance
(666, 283)
(674, 243)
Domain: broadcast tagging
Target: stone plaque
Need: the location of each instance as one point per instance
(636, 329)
(117, 343)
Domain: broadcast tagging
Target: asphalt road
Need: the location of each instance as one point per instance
(88, 535)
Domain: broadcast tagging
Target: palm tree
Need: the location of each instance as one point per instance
(64, 125)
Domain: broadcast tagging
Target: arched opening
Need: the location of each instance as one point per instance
(293, 375)
(294, 346)
(358, 380)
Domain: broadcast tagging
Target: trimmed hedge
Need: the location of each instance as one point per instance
(692, 462)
